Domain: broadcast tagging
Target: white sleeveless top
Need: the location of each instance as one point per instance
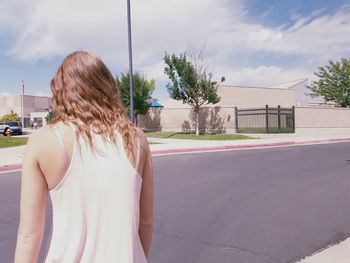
(96, 206)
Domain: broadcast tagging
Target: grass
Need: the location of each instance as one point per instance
(192, 136)
(6, 142)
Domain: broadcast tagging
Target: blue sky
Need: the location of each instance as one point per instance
(249, 42)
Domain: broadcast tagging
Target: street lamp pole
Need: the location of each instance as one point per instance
(22, 103)
(130, 66)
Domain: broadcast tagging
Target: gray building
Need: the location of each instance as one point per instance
(31, 104)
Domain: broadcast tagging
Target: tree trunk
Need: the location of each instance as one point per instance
(197, 122)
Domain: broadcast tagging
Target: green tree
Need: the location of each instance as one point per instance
(12, 116)
(191, 80)
(51, 115)
(143, 90)
(333, 82)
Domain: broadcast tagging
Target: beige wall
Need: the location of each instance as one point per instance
(307, 117)
(330, 122)
(211, 119)
(308, 120)
(176, 116)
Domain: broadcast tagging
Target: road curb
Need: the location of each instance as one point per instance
(11, 167)
(247, 147)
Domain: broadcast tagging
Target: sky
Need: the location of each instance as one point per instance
(250, 42)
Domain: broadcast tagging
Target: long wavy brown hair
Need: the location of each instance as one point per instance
(85, 93)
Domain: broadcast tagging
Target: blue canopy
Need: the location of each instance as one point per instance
(156, 104)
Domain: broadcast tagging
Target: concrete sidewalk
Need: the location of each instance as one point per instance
(339, 253)
(13, 156)
(167, 144)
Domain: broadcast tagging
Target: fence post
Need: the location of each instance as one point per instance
(293, 110)
(267, 118)
(236, 120)
(279, 118)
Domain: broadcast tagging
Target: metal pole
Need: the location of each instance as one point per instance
(22, 104)
(236, 120)
(293, 112)
(279, 118)
(267, 118)
(131, 74)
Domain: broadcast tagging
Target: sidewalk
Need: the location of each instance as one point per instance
(11, 155)
(339, 253)
(174, 145)
(11, 158)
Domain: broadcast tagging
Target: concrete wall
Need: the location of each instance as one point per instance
(176, 116)
(309, 121)
(211, 119)
(322, 121)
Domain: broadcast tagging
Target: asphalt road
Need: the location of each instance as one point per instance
(252, 206)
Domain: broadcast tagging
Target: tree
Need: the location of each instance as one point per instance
(12, 116)
(191, 80)
(143, 90)
(51, 115)
(333, 83)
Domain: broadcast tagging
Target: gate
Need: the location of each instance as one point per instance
(265, 120)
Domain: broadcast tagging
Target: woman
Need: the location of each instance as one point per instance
(97, 168)
(6, 131)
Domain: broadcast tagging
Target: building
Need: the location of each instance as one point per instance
(177, 116)
(31, 104)
(288, 94)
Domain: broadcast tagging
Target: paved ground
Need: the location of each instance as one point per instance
(252, 206)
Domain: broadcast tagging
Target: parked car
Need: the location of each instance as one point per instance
(14, 126)
(2, 128)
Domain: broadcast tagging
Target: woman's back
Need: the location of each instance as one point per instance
(96, 206)
(101, 191)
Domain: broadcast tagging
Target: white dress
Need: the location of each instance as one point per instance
(96, 206)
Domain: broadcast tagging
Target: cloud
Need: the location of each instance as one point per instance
(263, 75)
(43, 29)
(42, 93)
(155, 71)
(326, 36)
(268, 12)
(6, 94)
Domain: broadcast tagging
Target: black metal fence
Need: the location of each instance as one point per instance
(265, 120)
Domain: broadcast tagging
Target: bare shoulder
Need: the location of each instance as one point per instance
(40, 135)
(143, 138)
(38, 142)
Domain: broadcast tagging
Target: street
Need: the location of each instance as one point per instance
(250, 206)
